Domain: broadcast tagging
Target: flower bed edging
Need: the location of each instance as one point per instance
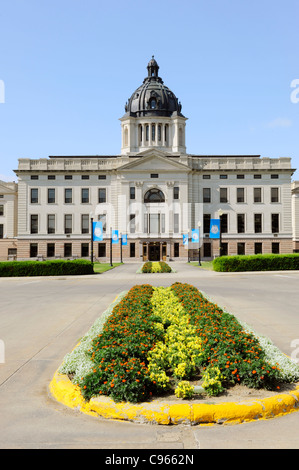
(68, 394)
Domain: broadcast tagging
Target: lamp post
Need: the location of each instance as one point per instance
(91, 237)
(188, 246)
(199, 260)
(111, 264)
(121, 247)
(220, 212)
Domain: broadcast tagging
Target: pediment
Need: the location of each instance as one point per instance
(154, 161)
(5, 188)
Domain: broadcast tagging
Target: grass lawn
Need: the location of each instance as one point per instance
(204, 264)
(102, 267)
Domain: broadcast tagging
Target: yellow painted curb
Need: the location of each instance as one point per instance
(62, 389)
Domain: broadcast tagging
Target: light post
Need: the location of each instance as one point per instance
(91, 237)
(220, 212)
(199, 260)
(188, 245)
(121, 247)
(111, 264)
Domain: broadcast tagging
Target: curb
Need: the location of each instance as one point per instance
(65, 392)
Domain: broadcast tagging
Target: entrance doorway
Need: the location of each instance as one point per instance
(154, 252)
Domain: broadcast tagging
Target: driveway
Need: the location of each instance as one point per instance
(42, 319)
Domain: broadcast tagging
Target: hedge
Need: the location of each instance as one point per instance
(45, 268)
(267, 262)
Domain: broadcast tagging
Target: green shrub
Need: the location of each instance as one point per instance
(256, 263)
(45, 268)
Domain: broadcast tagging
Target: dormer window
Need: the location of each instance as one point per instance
(153, 103)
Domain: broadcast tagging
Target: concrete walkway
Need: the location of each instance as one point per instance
(41, 319)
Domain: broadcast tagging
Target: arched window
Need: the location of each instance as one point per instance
(154, 195)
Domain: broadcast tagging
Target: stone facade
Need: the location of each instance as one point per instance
(153, 191)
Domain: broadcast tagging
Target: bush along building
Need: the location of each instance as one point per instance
(154, 193)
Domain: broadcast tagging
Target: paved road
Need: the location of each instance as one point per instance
(41, 319)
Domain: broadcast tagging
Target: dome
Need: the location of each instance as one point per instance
(153, 98)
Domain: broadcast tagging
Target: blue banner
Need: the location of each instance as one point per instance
(115, 237)
(195, 235)
(124, 239)
(215, 228)
(185, 239)
(97, 231)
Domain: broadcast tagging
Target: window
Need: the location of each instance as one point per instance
(68, 195)
(154, 195)
(34, 177)
(275, 223)
(224, 249)
(132, 223)
(241, 223)
(154, 175)
(240, 195)
(84, 250)
(132, 250)
(275, 248)
(132, 192)
(206, 194)
(51, 177)
(67, 250)
(1, 209)
(50, 250)
(223, 194)
(84, 177)
(274, 177)
(240, 177)
(176, 226)
(207, 250)
(206, 177)
(257, 194)
(153, 103)
(223, 224)
(68, 223)
(51, 223)
(34, 196)
(68, 177)
(33, 250)
(1, 231)
(257, 177)
(258, 248)
(102, 250)
(206, 223)
(34, 223)
(102, 195)
(84, 223)
(274, 195)
(241, 248)
(102, 218)
(153, 132)
(85, 195)
(176, 250)
(176, 192)
(223, 177)
(257, 223)
(101, 177)
(51, 196)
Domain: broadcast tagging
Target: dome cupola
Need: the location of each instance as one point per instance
(153, 98)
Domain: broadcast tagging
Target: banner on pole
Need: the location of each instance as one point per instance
(97, 231)
(124, 240)
(195, 235)
(185, 239)
(215, 228)
(115, 237)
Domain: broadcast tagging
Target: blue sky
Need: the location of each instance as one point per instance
(68, 67)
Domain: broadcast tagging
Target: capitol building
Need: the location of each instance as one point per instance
(153, 191)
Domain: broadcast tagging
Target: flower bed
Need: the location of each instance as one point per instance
(156, 267)
(156, 340)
